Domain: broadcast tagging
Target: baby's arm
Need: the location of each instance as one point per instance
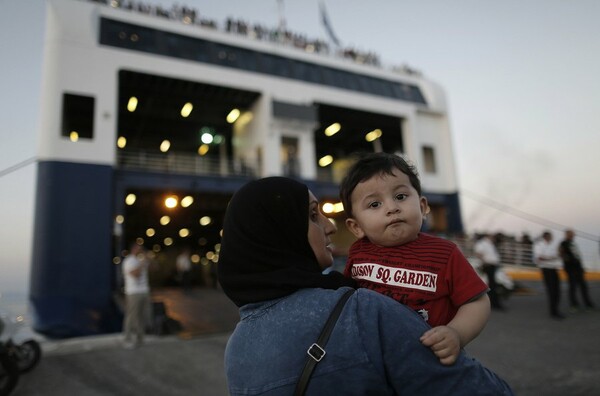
(447, 341)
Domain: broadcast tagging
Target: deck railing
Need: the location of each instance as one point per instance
(183, 163)
(511, 252)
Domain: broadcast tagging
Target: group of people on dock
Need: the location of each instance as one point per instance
(551, 258)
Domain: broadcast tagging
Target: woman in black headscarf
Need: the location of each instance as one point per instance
(275, 246)
(265, 253)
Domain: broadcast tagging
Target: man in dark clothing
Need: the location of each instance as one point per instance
(572, 264)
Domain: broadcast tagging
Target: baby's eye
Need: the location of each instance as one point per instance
(401, 196)
(374, 204)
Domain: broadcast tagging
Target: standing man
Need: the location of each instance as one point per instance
(572, 264)
(545, 256)
(486, 251)
(137, 296)
(184, 269)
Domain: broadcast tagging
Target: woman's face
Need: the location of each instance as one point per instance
(319, 230)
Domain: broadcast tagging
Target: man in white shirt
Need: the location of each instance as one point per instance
(545, 256)
(486, 251)
(184, 269)
(137, 296)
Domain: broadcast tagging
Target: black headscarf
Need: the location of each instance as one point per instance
(265, 252)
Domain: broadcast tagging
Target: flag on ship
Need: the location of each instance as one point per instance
(327, 25)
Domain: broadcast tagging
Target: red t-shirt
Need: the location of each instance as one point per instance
(429, 274)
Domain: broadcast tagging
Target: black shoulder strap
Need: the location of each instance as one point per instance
(316, 352)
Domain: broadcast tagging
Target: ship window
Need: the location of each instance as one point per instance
(429, 159)
(77, 116)
(276, 65)
(307, 72)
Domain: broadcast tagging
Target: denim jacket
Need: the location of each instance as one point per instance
(374, 350)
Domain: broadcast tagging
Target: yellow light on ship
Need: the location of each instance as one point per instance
(165, 146)
(195, 258)
(338, 207)
(150, 232)
(171, 201)
(233, 116)
(186, 110)
(119, 219)
(327, 207)
(333, 129)
(205, 220)
(130, 199)
(203, 149)
(165, 220)
(74, 136)
(187, 201)
(245, 118)
(184, 232)
(168, 241)
(326, 160)
(373, 135)
(121, 142)
(132, 104)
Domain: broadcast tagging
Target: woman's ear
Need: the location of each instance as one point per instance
(354, 228)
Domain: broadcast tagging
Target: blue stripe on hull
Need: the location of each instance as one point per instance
(72, 272)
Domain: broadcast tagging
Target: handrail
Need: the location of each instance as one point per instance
(182, 163)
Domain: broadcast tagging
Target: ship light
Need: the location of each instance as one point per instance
(130, 199)
(171, 201)
(186, 110)
(121, 142)
(373, 135)
(165, 146)
(165, 220)
(187, 201)
(326, 160)
(206, 138)
(333, 129)
(132, 104)
(327, 207)
(203, 149)
(74, 136)
(233, 116)
(205, 220)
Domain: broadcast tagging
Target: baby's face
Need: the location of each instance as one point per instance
(387, 209)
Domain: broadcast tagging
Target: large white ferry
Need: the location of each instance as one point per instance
(141, 104)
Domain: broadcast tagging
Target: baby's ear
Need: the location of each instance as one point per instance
(354, 228)
(425, 209)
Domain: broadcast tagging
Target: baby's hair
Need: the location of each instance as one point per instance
(373, 164)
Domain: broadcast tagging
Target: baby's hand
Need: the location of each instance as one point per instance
(444, 341)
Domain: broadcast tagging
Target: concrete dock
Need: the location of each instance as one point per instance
(534, 353)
